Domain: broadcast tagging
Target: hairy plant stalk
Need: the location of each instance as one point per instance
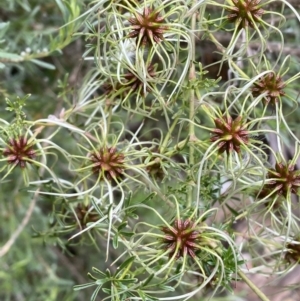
(192, 76)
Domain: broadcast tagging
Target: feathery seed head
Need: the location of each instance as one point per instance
(84, 215)
(272, 84)
(284, 179)
(231, 133)
(108, 162)
(245, 12)
(147, 27)
(18, 151)
(181, 238)
(293, 252)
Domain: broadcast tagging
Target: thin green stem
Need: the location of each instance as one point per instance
(221, 48)
(192, 76)
(168, 135)
(255, 289)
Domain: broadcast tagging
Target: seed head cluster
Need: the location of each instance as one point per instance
(18, 151)
(147, 27)
(245, 12)
(293, 252)
(284, 179)
(135, 83)
(271, 84)
(181, 238)
(132, 83)
(156, 169)
(85, 215)
(108, 163)
(231, 133)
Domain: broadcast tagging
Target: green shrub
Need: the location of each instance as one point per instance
(135, 136)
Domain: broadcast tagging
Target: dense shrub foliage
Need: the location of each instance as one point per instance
(149, 149)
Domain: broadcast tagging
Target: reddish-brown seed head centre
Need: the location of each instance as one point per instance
(108, 162)
(231, 133)
(284, 179)
(182, 238)
(18, 151)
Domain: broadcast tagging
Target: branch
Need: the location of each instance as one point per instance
(255, 289)
(21, 227)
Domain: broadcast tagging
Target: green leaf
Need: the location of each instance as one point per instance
(4, 25)
(133, 215)
(95, 293)
(142, 295)
(61, 6)
(43, 64)
(149, 197)
(146, 297)
(115, 241)
(127, 281)
(3, 28)
(125, 264)
(97, 207)
(95, 270)
(234, 212)
(167, 288)
(148, 280)
(83, 286)
(101, 281)
(122, 226)
(91, 27)
(126, 234)
(127, 201)
(107, 291)
(11, 56)
(172, 278)
(92, 277)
